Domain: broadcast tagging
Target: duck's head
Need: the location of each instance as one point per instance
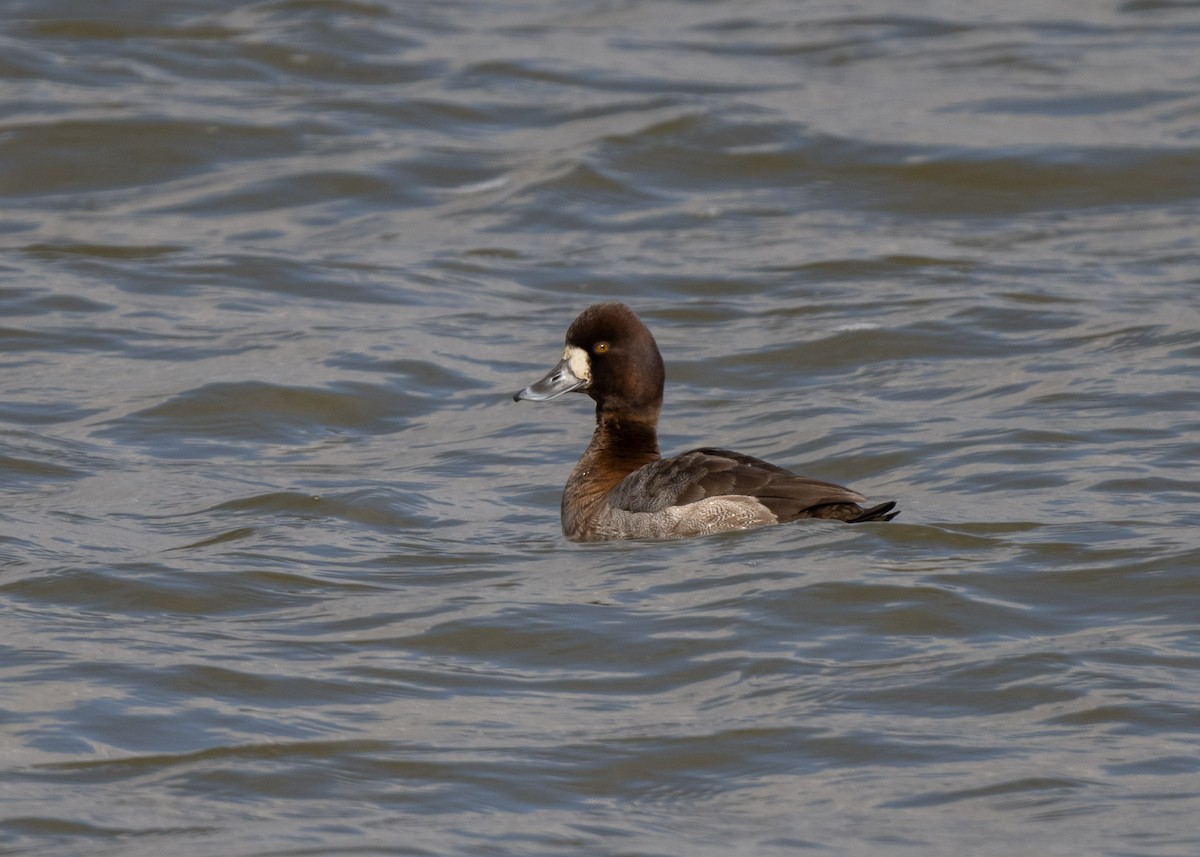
(611, 356)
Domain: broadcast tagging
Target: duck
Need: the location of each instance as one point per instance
(622, 488)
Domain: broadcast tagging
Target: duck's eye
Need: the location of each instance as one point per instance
(600, 348)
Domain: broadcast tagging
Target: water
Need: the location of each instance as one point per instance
(280, 566)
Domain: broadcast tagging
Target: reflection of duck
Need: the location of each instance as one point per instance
(623, 489)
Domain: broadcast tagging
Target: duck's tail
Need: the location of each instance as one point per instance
(882, 512)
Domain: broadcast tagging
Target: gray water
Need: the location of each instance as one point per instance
(280, 562)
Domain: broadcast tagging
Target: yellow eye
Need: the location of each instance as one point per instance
(600, 347)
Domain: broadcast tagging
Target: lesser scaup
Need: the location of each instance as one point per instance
(623, 489)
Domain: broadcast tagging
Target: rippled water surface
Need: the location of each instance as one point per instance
(280, 562)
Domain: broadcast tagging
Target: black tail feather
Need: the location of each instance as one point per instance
(876, 513)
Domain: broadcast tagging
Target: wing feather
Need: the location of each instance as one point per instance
(709, 472)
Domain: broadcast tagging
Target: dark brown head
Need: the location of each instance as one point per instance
(611, 356)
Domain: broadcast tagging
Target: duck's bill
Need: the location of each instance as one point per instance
(559, 380)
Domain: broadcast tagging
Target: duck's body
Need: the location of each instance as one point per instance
(623, 489)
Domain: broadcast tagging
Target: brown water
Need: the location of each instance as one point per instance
(280, 566)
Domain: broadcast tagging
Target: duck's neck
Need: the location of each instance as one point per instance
(628, 437)
(620, 445)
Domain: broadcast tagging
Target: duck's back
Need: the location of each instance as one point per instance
(705, 473)
(712, 490)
